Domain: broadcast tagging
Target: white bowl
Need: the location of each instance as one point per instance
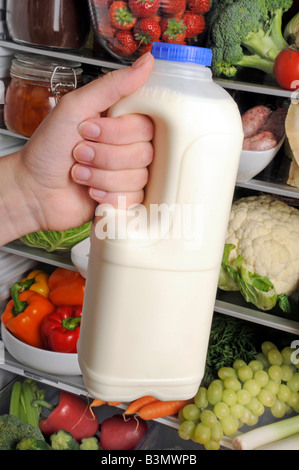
(253, 162)
(49, 362)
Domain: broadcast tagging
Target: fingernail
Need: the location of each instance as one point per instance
(84, 153)
(97, 193)
(144, 58)
(89, 130)
(81, 173)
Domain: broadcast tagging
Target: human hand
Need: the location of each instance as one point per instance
(62, 194)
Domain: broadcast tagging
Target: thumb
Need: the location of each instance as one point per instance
(102, 93)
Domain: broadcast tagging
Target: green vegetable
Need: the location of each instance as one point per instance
(57, 240)
(230, 338)
(291, 31)
(267, 434)
(90, 443)
(63, 440)
(256, 289)
(246, 34)
(22, 401)
(31, 443)
(12, 431)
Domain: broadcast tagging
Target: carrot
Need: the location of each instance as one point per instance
(97, 402)
(136, 405)
(114, 403)
(160, 408)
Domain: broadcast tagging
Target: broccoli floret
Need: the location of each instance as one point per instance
(90, 443)
(247, 34)
(31, 443)
(13, 430)
(63, 440)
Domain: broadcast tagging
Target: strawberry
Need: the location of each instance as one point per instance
(124, 43)
(121, 16)
(172, 7)
(146, 31)
(104, 27)
(173, 30)
(199, 6)
(195, 24)
(144, 8)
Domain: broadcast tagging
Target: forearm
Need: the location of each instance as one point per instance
(16, 212)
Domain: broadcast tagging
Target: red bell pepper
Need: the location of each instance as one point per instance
(71, 414)
(60, 330)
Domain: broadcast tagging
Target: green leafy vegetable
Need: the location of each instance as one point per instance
(57, 240)
(256, 289)
(12, 431)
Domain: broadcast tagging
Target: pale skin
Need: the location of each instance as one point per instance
(78, 158)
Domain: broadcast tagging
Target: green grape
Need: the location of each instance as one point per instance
(293, 383)
(261, 357)
(201, 434)
(275, 372)
(208, 418)
(267, 346)
(214, 393)
(221, 410)
(287, 372)
(243, 397)
(245, 373)
(191, 412)
(229, 397)
(232, 383)
(219, 382)
(272, 386)
(245, 418)
(266, 398)
(252, 386)
(261, 377)
(293, 400)
(253, 420)
(229, 425)
(181, 416)
(200, 399)
(225, 372)
(278, 409)
(237, 410)
(256, 407)
(274, 357)
(286, 355)
(217, 432)
(256, 365)
(238, 363)
(283, 393)
(186, 429)
(212, 445)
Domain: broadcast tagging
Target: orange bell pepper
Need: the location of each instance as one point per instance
(24, 314)
(66, 287)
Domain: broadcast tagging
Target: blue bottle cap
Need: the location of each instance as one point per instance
(182, 53)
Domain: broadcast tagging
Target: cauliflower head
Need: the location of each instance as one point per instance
(265, 232)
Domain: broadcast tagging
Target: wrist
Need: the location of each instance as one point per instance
(17, 201)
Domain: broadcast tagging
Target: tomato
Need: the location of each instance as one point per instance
(286, 68)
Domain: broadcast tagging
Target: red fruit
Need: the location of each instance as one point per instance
(173, 30)
(146, 31)
(194, 23)
(119, 433)
(172, 7)
(144, 8)
(121, 16)
(199, 6)
(124, 43)
(104, 27)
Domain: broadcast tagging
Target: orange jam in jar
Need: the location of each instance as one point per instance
(36, 85)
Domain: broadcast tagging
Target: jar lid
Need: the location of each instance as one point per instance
(182, 53)
(42, 68)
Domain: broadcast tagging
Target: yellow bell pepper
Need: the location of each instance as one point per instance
(37, 281)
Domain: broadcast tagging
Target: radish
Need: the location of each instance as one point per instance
(122, 432)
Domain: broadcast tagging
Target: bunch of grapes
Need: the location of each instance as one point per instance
(240, 395)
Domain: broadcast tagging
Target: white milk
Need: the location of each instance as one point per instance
(153, 270)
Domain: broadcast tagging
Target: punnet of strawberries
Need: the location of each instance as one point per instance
(127, 29)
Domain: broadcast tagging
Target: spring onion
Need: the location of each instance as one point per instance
(267, 434)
